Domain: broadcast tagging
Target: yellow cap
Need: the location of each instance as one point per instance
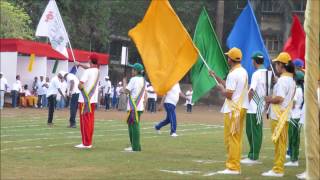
(283, 57)
(234, 54)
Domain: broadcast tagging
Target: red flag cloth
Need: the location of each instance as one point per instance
(295, 44)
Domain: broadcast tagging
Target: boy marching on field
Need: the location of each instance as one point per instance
(235, 90)
(136, 90)
(254, 120)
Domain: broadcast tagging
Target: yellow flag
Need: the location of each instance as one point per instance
(31, 62)
(165, 46)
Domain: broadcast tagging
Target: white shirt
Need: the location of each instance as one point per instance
(54, 85)
(17, 86)
(107, 87)
(26, 92)
(236, 82)
(285, 88)
(72, 77)
(297, 109)
(172, 96)
(189, 97)
(4, 83)
(258, 84)
(89, 77)
(151, 95)
(40, 88)
(135, 86)
(118, 89)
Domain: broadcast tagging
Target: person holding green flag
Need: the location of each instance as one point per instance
(136, 90)
(254, 120)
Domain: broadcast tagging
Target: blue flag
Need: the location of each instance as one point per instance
(246, 36)
(73, 70)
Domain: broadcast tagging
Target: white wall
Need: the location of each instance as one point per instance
(39, 68)
(8, 65)
(62, 66)
(104, 71)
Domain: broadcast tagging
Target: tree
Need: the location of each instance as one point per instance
(15, 22)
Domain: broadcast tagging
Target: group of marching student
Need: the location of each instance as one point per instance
(284, 108)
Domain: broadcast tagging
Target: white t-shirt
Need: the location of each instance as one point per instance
(63, 88)
(236, 81)
(54, 85)
(107, 87)
(40, 90)
(135, 86)
(285, 88)
(297, 109)
(258, 84)
(17, 86)
(89, 77)
(172, 96)
(151, 94)
(189, 97)
(4, 83)
(72, 77)
(118, 89)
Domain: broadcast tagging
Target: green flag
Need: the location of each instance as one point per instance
(206, 41)
(55, 67)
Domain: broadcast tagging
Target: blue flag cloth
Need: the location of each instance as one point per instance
(246, 36)
(73, 70)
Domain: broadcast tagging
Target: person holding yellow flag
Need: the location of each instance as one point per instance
(235, 89)
(281, 104)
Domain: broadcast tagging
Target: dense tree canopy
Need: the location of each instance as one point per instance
(15, 22)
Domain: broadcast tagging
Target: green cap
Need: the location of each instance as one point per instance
(137, 66)
(299, 75)
(257, 55)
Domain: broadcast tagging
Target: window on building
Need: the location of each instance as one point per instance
(272, 43)
(270, 6)
(299, 5)
(241, 4)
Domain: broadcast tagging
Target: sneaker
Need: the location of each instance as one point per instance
(157, 130)
(174, 135)
(72, 126)
(128, 149)
(50, 125)
(271, 173)
(249, 161)
(82, 146)
(302, 175)
(228, 171)
(292, 164)
(287, 156)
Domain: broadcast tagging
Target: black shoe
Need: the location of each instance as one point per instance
(72, 126)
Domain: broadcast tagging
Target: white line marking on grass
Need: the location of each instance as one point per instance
(72, 137)
(210, 174)
(181, 172)
(117, 139)
(208, 161)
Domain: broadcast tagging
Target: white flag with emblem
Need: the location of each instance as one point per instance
(51, 26)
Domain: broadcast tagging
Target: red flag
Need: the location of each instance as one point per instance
(296, 43)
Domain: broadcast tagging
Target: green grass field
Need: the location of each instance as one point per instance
(30, 150)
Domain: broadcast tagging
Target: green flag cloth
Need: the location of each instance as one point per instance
(55, 66)
(206, 41)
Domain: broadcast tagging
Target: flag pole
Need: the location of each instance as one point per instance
(205, 63)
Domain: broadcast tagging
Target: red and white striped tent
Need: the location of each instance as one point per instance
(15, 58)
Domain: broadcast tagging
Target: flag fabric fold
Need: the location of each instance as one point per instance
(31, 62)
(166, 49)
(246, 36)
(51, 26)
(296, 43)
(208, 45)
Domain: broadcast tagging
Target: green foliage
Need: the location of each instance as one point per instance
(15, 22)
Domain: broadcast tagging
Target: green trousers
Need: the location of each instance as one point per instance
(294, 139)
(134, 134)
(254, 134)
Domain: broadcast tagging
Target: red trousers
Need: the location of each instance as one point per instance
(87, 125)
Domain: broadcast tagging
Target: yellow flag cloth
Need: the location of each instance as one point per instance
(31, 62)
(165, 46)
